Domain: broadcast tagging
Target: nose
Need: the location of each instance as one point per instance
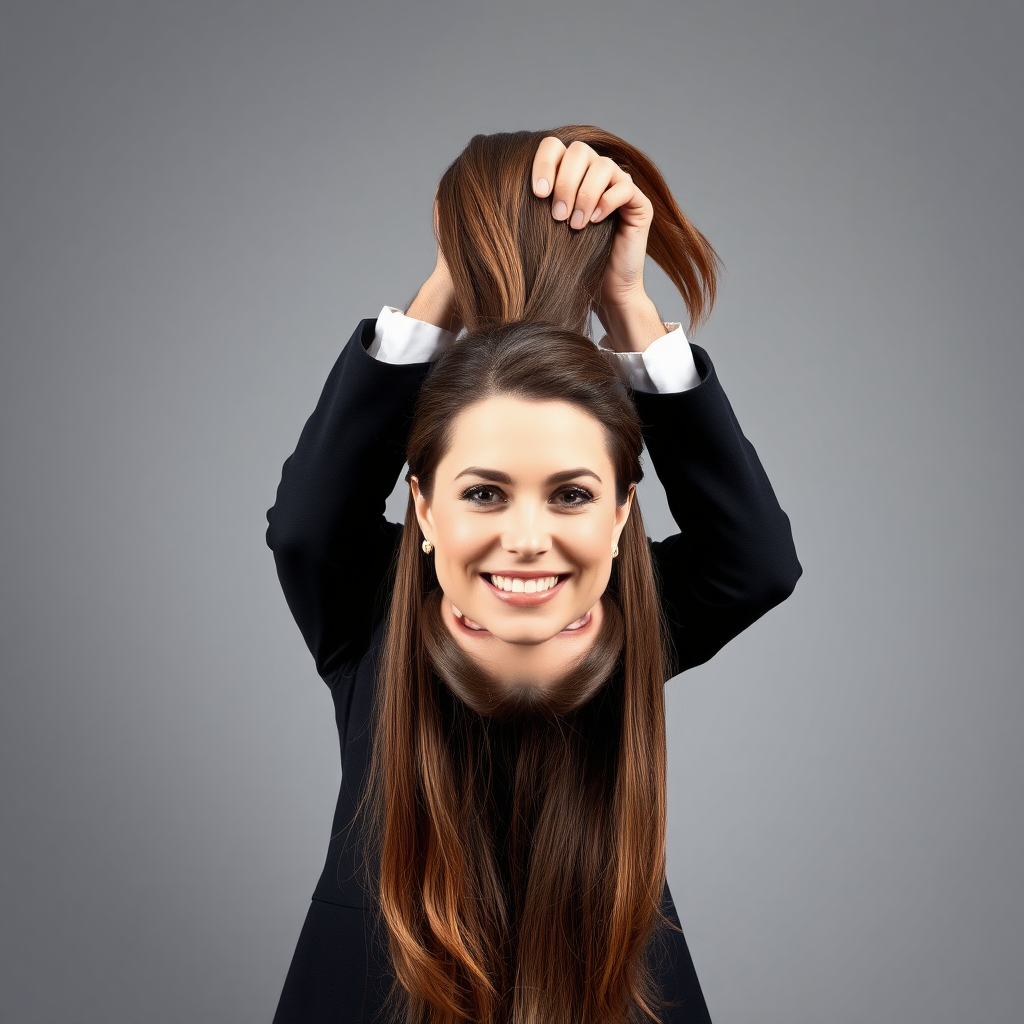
(526, 531)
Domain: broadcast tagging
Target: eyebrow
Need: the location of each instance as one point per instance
(503, 478)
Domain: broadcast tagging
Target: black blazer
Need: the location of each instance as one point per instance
(732, 559)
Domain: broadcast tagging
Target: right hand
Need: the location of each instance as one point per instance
(590, 186)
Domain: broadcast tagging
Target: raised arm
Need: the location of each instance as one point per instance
(733, 558)
(331, 542)
(332, 545)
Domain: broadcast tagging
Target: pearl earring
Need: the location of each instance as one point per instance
(427, 547)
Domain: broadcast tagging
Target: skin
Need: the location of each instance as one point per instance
(522, 522)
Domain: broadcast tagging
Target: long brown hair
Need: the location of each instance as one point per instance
(521, 857)
(511, 260)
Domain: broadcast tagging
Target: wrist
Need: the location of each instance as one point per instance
(632, 325)
(435, 303)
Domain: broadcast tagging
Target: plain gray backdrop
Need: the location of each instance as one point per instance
(199, 203)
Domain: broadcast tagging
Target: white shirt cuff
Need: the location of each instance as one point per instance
(398, 338)
(665, 366)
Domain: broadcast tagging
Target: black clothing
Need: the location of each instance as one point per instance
(732, 560)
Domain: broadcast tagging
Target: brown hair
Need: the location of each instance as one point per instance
(511, 260)
(550, 921)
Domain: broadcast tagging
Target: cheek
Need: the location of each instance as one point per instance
(588, 541)
(462, 538)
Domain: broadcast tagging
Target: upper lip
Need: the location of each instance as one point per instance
(524, 574)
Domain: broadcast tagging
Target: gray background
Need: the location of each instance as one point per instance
(200, 201)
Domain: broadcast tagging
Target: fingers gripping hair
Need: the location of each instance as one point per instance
(510, 259)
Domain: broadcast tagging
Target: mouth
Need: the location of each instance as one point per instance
(525, 589)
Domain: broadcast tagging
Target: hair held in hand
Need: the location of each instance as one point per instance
(511, 260)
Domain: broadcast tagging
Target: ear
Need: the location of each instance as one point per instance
(422, 505)
(622, 513)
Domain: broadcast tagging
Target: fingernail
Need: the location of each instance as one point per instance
(541, 186)
(577, 219)
(559, 210)
(595, 215)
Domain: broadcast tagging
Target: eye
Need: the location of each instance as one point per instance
(481, 494)
(574, 497)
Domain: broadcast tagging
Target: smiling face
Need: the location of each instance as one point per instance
(522, 516)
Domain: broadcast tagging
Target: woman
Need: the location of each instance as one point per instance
(497, 663)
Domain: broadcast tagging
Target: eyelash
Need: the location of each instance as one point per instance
(575, 489)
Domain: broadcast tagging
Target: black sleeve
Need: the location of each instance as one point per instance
(733, 558)
(332, 545)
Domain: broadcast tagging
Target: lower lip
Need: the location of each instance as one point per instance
(524, 600)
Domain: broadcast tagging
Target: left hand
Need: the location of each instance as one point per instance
(435, 301)
(585, 188)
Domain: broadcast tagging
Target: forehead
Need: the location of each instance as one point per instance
(503, 432)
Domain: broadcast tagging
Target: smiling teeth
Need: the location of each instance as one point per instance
(515, 585)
